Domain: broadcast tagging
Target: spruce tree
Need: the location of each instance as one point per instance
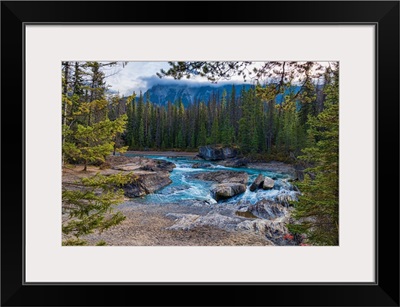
(89, 135)
(317, 211)
(88, 206)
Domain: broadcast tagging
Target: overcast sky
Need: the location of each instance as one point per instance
(140, 76)
(133, 77)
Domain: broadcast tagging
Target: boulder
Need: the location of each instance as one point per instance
(268, 183)
(146, 182)
(201, 165)
(273, 231)
(227, 190)
(267, 209)
(140, 163)
(286, 197)
(158, 165)
(235, 162)
(223, 176)
(257, 183)
(214, 153)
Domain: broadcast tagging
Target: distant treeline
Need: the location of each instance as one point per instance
(251, 120)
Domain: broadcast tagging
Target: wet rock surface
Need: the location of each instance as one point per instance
(201, 165)
(257, 183)
(148, 175)
(227, 190)
(139, 163)
(214, 153)
(223, 177)
(146, 182)
(198, 222)
(268, 183)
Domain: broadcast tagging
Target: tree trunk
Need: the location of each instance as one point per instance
(65, 92)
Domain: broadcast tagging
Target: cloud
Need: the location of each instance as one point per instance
(140, 76)
(130, 78)
(154, 80)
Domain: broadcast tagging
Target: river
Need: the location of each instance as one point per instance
(185, 189)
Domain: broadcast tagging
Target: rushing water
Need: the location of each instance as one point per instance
(184, 188)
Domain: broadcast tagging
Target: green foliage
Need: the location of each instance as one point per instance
(101, 243)
(255, 124)
(317, 211)
(92, 143)
(306, 123)
(88, 205)
(74, 242)
(92, 129)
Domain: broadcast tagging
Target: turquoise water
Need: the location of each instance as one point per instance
(184, 189)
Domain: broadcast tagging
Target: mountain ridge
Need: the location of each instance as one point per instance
(162, 93)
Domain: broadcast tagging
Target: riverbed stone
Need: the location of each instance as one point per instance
(227, 190)
(273, 231)
(146, 182)
(214, 153)
(223, 176)
(267, 209)
(257, 183)
(268, 183)
(201, 165)
(140, 163)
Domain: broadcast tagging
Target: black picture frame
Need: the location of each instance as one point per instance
(383, 14)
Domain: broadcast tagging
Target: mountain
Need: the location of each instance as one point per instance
(162, 93)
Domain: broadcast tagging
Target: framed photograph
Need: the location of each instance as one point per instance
(200, 146)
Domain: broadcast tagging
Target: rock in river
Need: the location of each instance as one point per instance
(149, 175)
(145, 164)
(217, 152)
(227, 190)
(268, 183)
(257, 183)
(201, 165)
(223, 176)
(146, 182)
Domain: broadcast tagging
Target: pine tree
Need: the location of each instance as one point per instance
(317, 211)
(93, 143)
(215, 131)
(91, 129)
(88, 206)
(130, 128)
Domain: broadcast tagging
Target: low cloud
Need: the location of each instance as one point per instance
(140, 76)
(197, 82)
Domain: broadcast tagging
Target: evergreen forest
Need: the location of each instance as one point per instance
(289, 113)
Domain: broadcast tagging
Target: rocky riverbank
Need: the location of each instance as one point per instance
(149, 175)
(196, 222)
